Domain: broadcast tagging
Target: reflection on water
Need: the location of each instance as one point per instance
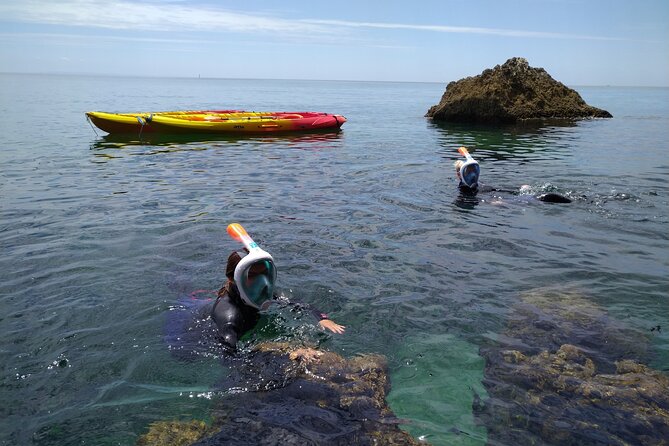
(529, 127)
(467, 201)
(521, 137)
(112, 146)
(111, 141)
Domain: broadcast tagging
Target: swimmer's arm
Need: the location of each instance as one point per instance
(323, 319)
(500, 189)
(325, 322)
(485, 189)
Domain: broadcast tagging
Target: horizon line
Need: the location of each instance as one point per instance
(149, 76)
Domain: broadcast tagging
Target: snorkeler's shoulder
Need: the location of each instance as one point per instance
(486, 189)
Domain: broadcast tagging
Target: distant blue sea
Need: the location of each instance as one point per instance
(101, 237)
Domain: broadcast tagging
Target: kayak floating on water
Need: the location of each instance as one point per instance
(214, 121)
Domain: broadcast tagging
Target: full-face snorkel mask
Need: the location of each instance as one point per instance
(255, 273)
(470, 170)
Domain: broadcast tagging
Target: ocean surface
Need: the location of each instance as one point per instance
(102, 237)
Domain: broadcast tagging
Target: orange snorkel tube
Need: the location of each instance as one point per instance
(237, 232)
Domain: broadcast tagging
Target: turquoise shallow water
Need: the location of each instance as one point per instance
(100, 237)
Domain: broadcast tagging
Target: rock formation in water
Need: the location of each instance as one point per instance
(509, 93)
(565, 373)
(290, 396)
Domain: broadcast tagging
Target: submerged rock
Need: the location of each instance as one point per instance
(561, 374)
(282, 395)
(544, 319)
(558, 398)
(509, 93)
(175, 433)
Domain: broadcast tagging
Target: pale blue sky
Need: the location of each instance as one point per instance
(579, 42)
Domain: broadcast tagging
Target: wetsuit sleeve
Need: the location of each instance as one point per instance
(229, 320)
(319, 315)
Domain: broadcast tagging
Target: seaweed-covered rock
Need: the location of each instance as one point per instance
(558, 398)
(544, 319)
(175, 433)
(562, 374)
(509, 93)
(282, 395)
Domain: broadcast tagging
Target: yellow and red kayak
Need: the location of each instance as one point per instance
(214, 121)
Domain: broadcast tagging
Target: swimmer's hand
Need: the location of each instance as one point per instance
(332, 326)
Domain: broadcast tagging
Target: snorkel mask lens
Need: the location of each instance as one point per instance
(470, 173)
(257, 282)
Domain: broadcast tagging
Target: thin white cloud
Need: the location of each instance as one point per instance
(50, 37)
(183, 16)
(120, 14)
(456, 29)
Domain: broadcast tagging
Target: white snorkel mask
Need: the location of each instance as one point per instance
(255, 273)
(470, 170)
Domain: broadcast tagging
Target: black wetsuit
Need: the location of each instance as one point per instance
(234, 318)
(549, 197)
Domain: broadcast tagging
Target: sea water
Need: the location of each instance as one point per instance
(101, 238)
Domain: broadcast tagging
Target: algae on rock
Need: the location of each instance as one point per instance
(508, 93)
(301, 398)
(565, 373)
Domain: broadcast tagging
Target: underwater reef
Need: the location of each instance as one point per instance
(565, 373)
(285, 395)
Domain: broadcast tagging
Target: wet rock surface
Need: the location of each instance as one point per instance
(282, 395)
(509, 93)
(175, 433)
(544, 319)
(565, 373)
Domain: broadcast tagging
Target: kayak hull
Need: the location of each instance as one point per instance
(215, 121)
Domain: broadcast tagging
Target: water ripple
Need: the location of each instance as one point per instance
(101, 236)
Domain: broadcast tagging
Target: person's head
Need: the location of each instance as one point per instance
(467, 171)
(458, 165)
(252, 270)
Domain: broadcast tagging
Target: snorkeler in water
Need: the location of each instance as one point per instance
(468, 172)
(248, 290)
